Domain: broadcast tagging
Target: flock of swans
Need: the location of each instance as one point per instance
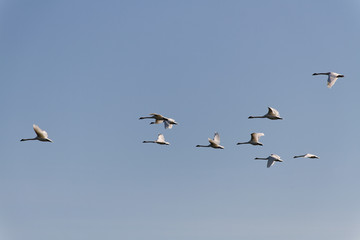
(272, 114)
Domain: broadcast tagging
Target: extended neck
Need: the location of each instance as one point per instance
(256, 117)
(27, 139)
(148, 141)
(261, 159)
(202, 145)
(321, 73)
(242, 143)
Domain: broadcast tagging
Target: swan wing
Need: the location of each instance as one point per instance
(270, 162)
(160, 138)
(217, 138)
(275, 156)
(167, 125)
(170, 120)
(255, 136)
(213, 143)
(332, 79)
(40, 133)
(273, 111)
(157, 116)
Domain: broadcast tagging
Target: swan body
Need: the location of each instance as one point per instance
(214, 143)
(254, 139)
(168, 122)
(332, 77)
(308, 155)
(41, 135)
(271, 159)
(272, 114)
(160, 140)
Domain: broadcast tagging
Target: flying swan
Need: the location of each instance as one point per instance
(308, 155)
(160, 140)
(272, 114)
(271, 159)
(332, 77)
(41, 135)
(214, 143)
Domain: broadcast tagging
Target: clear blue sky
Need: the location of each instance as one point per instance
(85, 71)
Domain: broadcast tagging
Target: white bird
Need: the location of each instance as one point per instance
(332, 77)
(272, 114)
(214, 143)
(271, 159)
(41, 135)
(254, 139)
(168, 122)
(159, 140)
(308, 155)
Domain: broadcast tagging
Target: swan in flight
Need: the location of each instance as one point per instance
(332, 77)
(159, 140)
(214, 143)
(168, 122)
(254, 139)
(308, 155)
(271, 159)
(272, 114)
(41, 135)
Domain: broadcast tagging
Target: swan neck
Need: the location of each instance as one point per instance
(28, 139)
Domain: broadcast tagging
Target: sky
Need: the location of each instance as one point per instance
(85, 71)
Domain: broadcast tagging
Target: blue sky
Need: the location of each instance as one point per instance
(85, 71)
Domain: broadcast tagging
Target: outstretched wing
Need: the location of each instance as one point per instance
(217, 138)
(167, 125)
(273, 111)
(40, 133)
(157, 116)
(331, 80)
(255, 136)
(270, 162)
(161, 138)
(275, 156)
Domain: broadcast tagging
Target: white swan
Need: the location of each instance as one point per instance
(271, 159)
(308, 155)
(168, 122)
(332, 77)
(159, 140)
(272, 114)
(254, 139)
(41, 135)
(214, 143)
